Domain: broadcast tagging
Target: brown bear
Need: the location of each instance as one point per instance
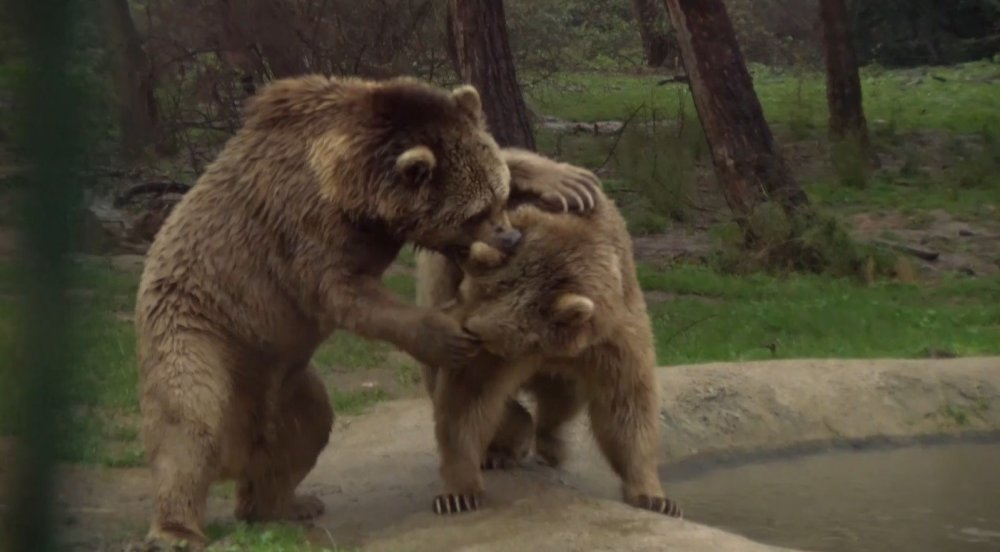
(282, 240)
(564, 318)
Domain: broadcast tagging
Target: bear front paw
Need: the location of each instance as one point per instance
(444, 343)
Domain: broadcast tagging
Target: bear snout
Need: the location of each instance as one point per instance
(508, 240)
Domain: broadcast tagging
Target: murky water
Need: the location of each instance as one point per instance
(917, 499)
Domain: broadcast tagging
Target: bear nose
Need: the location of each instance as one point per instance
(509, 239)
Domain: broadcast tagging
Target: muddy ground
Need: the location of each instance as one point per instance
(966, 247)
(379, 472)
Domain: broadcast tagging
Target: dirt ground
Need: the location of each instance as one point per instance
(970, 248)
(379, 473)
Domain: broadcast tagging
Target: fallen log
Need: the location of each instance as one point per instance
(167, 187)
(919, 252)
(673, 79)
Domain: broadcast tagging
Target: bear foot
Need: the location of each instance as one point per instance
(169, 539)
(300, 508)
(499, 460)
(550, 451)
(455, 503)
(305, 507)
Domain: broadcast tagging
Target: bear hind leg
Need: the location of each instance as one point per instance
(512, 440)
(625, 425)
(266, 489)
(183, 471)
(559, 401)
(182, 431)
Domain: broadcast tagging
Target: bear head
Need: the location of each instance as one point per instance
(548, 295)
(402, 155)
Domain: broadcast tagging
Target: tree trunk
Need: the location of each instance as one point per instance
(236, 50)
(449, 41)
(258, 40)
(274, 24)
(486, 62)
(138, 115)
(656, 44)
(843, 85)
(747, 161)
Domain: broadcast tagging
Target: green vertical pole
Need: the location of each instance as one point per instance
(48, 140)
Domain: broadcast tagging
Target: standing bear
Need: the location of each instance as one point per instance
(561, 316)
(284, 239)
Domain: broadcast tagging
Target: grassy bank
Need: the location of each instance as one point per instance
(961, 98)
(704, 316)
(698, 316)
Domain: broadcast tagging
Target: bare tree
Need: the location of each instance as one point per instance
(274, 27)
(843, 85)
(657, 45)
(134, 80)
(451, 48)
(485, 59)
(261, 36)
(746, 158)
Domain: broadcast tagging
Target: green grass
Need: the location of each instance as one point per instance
(952, 166)
(709, 317)
(403, 285)
(105, 378)
(585, 150)
(885, 193)
(103, 386)
(725, 318)
(907, 99)
(604, 97)
(240, 537)
(345, 350)
(406, 257)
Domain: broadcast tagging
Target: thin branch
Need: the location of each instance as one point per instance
(618, 136)
(686, 328)
(673, 79)
(150, 188)
(919, 252)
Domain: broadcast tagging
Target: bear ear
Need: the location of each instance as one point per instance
(467, 99)
(573, 309)
(416, 165)
(484, 255)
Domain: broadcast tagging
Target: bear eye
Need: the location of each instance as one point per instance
(479, 217)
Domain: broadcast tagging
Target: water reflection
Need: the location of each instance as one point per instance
(917, 499)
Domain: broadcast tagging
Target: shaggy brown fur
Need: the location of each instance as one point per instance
(563, 318)
(283, 239)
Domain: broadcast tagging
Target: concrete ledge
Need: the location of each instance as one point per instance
(379, 473)
(383, 465)
(731, 411)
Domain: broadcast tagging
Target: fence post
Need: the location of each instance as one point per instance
(48, 141)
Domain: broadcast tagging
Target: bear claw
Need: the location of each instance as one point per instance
(455, 503)
(660, 505)
(306, 507)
